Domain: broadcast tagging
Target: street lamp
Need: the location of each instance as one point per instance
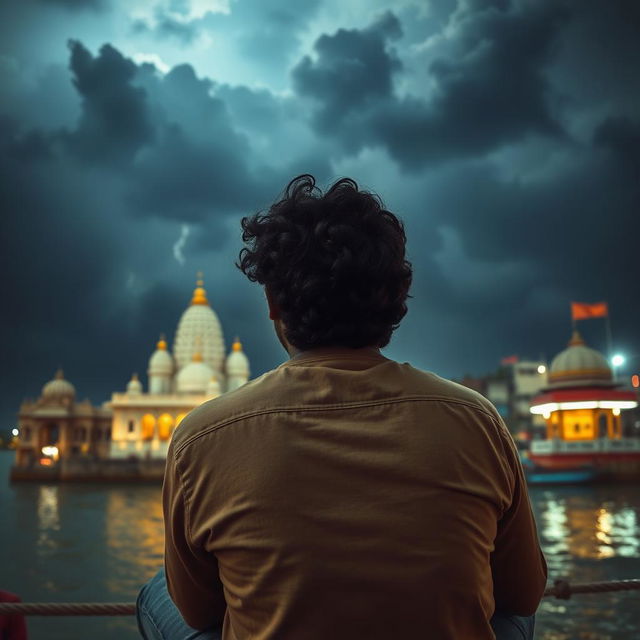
(617, 360)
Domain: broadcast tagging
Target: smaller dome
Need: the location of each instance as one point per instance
(237, 364)
(213, 388)
(135, 386)
(579, 366)
(195, 377)
(59, 388)
(161, 362)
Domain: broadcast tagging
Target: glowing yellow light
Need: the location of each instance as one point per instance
(148, 423)
(165, 424)
(615, 411)
(550, 407)
(50, 451)
(542, 369)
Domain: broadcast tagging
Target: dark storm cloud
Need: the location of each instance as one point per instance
(489, 92)
(183, 178)
(198, 159)
(172, 141)
(622, 136)
(351, 75)
(493, 92)
(115, 121)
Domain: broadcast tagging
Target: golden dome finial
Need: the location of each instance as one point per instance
(576, 339)
(162, 343)
(237, 345)
(199, 294)
(134, 377)
(59, 374)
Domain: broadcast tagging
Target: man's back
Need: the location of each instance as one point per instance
(345, 495)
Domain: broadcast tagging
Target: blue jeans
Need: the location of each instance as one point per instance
(159, 618)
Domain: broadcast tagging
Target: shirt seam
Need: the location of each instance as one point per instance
(332, 407)
(185, 493)
(334, 357)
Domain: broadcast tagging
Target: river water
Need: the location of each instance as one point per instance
(99, 543)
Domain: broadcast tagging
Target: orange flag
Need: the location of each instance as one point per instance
(581, 310)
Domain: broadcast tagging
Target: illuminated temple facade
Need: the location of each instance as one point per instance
(136, 424)
(195, 372)
(582, 408)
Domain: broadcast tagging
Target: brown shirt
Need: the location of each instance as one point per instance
(344, 495)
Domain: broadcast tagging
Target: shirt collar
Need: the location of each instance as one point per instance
(336, 353)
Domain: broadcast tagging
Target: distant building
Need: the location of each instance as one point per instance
(528, 378)
(55, 426)
(510, 389)
(135, 424)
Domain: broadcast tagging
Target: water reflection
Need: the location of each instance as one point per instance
(571, 524)
(134, 537)
(48, 514)
(589, 534)
(48, 519)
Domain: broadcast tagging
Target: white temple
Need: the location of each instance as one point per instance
(197, 371)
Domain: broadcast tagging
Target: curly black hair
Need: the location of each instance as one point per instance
(334, 263)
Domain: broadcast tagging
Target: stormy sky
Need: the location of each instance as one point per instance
(135, 135)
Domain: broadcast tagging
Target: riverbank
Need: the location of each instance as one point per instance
(108, 471)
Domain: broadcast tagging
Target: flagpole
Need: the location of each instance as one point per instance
(609, 339)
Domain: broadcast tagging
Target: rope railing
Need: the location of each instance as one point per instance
(67, 608)
(561, 589)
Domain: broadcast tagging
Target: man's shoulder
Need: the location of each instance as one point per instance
(254, 397)
(288, 387)
(433, 386)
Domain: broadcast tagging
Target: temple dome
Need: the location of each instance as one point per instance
(195, 377)
(134, 387)
(579, 366)
(161, 362)
(213, 388)
(59, 388)
(199, 330)
(237, 364)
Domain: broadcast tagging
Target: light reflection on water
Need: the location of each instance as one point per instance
(101, 543)
(127, 516)
(589, 534)
(48, 519)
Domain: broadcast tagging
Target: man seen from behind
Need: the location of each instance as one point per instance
(343, 495)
